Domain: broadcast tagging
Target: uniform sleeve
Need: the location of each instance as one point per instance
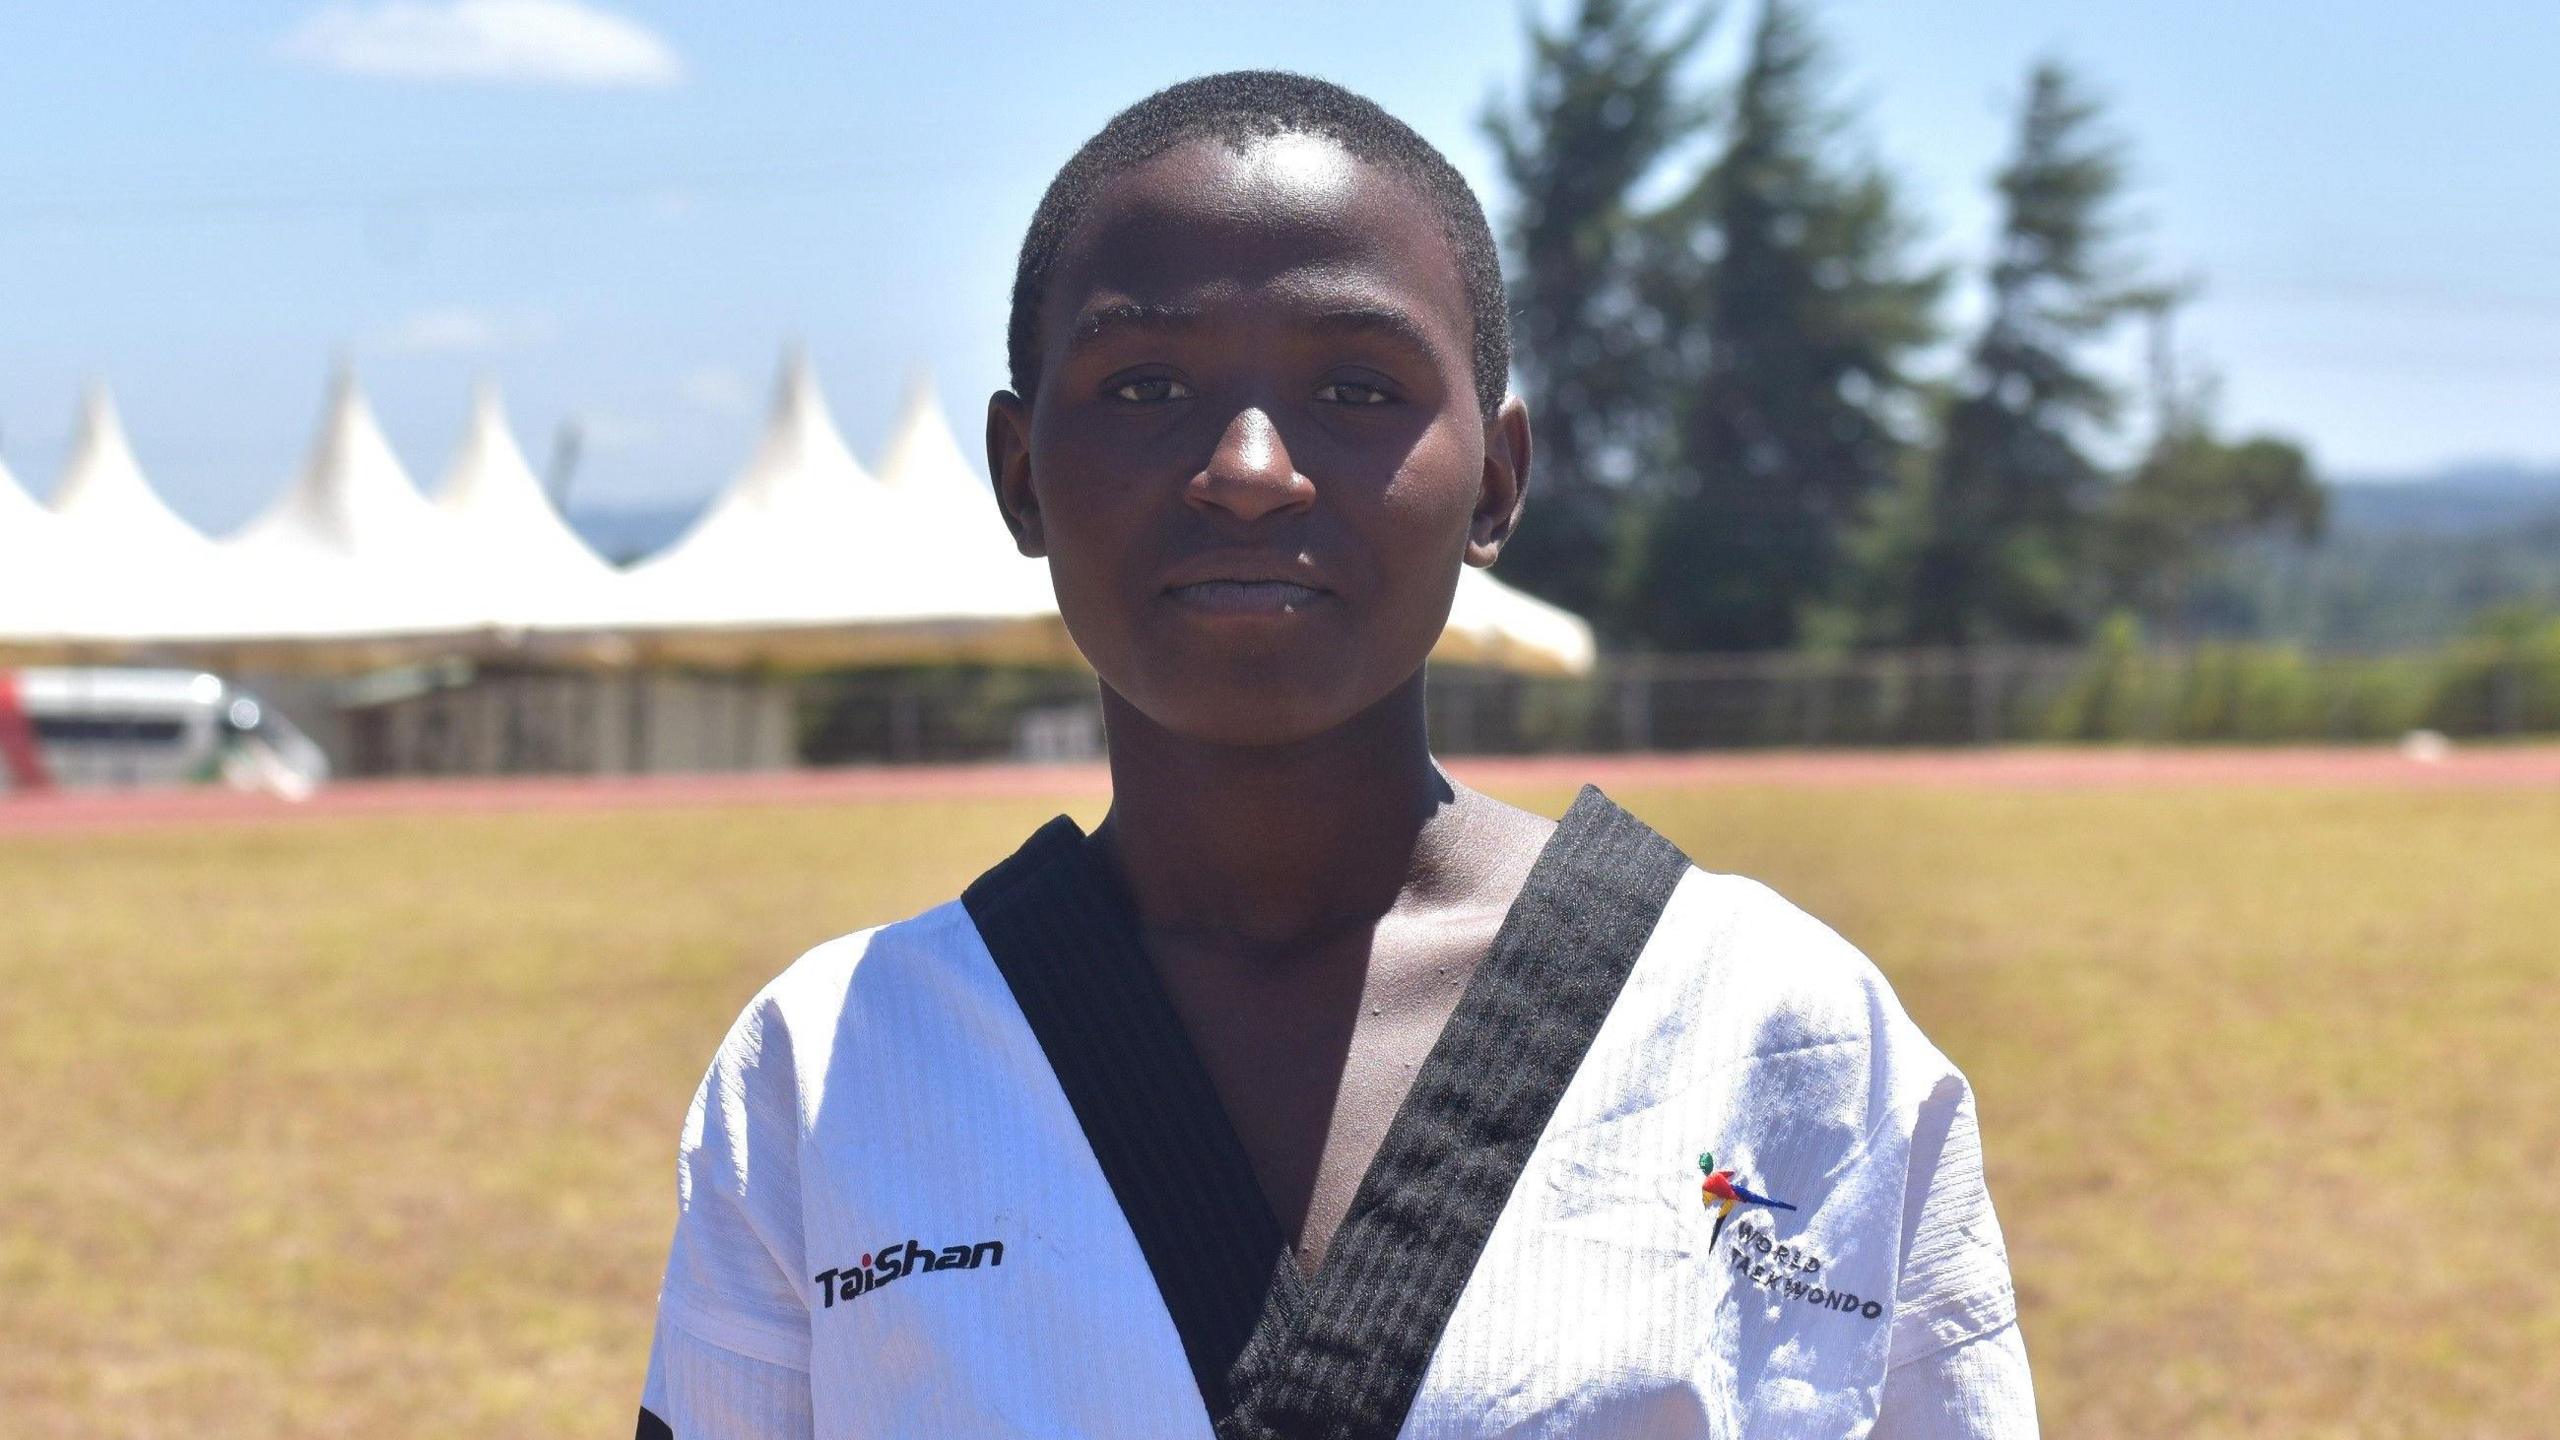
(729, 1359)
(1957, 1367)
(1975, 1387)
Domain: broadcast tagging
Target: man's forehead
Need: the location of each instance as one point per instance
(1293, 219)
(1315, 306)
(1289, 169)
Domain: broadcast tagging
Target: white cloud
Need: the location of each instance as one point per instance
(458, 330)
(718, 392)
(528, 42)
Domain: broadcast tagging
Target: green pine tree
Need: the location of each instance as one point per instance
(2191, 500)
(2007, 532)
(1603, 108)
(1793, 316)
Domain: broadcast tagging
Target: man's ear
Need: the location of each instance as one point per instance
(1009, 465)
(1504, 488)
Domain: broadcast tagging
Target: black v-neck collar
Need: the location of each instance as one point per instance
(1339, 1353)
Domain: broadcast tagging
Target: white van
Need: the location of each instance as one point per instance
(95, 728)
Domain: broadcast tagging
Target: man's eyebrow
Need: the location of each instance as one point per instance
(1096, 321)
(1376, 320)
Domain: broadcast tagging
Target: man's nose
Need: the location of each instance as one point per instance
(1250, 474)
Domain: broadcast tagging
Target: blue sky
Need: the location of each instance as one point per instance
(621, 210)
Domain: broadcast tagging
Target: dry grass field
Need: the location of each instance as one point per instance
(363, 1126)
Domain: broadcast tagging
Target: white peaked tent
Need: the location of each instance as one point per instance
(17, 507)
(351, 551)
(35, 573)
(528, 569)
(139, 568)
(801, 495)
(974, 570)
(103, 494)
(1492, 624)
(922, 450)
(23, 520)
(808, 559)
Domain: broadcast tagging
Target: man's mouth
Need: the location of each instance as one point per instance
(1245, 597)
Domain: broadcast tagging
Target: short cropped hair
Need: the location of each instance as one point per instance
(1237, 108)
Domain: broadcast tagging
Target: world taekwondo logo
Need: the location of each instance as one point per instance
(1722, 1193)
(1788, 1270)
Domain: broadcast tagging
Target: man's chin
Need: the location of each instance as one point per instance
(1247, 706)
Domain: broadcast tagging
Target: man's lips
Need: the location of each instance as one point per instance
(1246, 597)
(1247, 582)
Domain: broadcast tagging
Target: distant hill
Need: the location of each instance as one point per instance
(2406, 563)
(2464, 500)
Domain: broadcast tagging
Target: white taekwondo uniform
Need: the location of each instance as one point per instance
(963, 1176)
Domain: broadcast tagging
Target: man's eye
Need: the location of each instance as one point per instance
(1352, 392)
(1142, 392)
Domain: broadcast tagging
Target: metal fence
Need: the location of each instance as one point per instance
(1997, 696)
(459, 720)
(1700, 702)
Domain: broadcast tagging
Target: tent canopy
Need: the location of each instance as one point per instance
(764, 550)
(809, 559)
(526, 569)
(138, 568)
(37, 576)
(105, 498)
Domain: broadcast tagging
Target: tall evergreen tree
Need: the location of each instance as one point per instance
(2007, 534)
(1603, 108)
(1784, 277)
(2192, 499)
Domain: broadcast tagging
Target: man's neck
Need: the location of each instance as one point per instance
(1275, 846)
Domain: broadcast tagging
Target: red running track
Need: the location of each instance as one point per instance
(2473, 767)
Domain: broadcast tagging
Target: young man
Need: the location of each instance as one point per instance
(1314, 1095)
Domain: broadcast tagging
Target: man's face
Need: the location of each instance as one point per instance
(1256, 459)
